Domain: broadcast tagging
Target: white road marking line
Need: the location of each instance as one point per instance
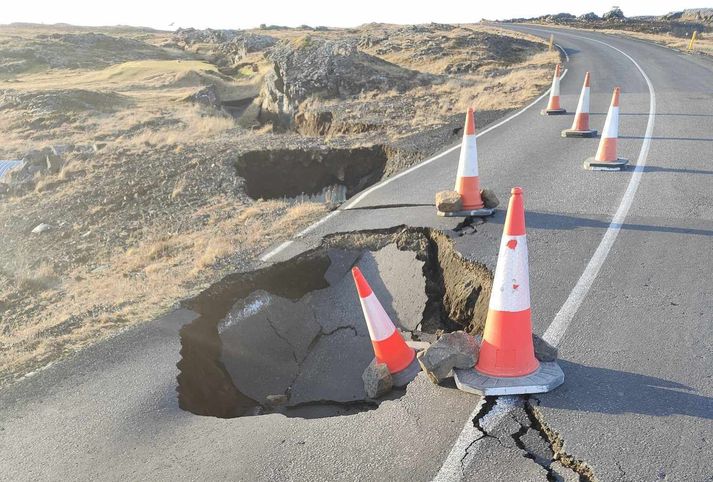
(277, 250)
(451, 469)
(566, 56)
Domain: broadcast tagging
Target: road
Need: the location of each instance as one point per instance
(630, 302)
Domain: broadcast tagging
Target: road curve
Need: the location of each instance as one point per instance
(637, 402)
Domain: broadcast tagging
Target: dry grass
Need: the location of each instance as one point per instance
(140, 283)
(704, 43)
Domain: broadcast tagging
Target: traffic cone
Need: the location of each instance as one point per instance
(467, 178)
(553, 106)
(506, 363)
(606, 158)
(580, 126)
(389, 346)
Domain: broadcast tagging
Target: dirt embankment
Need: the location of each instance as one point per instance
(141, 153)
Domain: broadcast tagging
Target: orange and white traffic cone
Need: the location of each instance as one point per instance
(389, 346)
(606, 158)
(553, 106)
(580, 126)
(506, 363)
(467, 178)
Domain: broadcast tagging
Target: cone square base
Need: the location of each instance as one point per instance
(546, 378)
(575, 133)
(482, 212)
(553, 111)
(594, 165)
(402, 378)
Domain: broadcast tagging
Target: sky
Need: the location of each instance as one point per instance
(238, 14)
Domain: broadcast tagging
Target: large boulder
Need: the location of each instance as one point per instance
(311, 67)
(452, 350)
(448, 201)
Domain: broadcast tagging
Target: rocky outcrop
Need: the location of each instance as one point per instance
(317, 68)
(615, 14)
(701, 15)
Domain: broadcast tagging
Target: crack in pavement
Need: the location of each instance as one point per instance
(515, 424)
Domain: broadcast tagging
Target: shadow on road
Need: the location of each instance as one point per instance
(603, 390)
(673, 169)
(692, 139)
(542, 220)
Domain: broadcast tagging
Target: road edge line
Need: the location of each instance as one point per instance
(569, 308)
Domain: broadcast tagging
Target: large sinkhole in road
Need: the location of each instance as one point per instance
(288, 173)
(291, 338)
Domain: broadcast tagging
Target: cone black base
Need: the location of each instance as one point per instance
(465, 213)
(594, 165)
(402, 378)
(574, 133)
(553, 111)
(546, 378)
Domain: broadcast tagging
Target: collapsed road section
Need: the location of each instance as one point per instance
(286, 173)
(291, 338)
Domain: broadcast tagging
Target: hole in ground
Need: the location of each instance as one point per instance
(291, 338)
(287, 173)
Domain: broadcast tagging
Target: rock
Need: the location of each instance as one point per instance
(98, 146)
(41, 228)
(489, 198)
(588, 17)
(543, 350)
(207, 96)
(613, 14)
(311, 66)
(448, 201)
(377, 379)
(276, 400)
(452, 350)
(418, 345)
(54, 163)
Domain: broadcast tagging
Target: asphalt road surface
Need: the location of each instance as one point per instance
(620, 267)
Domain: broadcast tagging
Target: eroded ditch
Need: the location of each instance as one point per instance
(290, 338)
(287, 173)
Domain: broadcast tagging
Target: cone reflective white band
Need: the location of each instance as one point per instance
(583, 104)
(555, 86)
(377, 321)
(611, 125)
(511, 286)
(468, 161)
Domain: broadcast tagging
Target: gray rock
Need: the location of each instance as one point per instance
(207, 96)
(452, 350)
(489, 198)
(418, 345)
(54, 163)
(276, 400)
(543, 350)
(448, 201)
(328, 68)
(377, 379)
(41, 228)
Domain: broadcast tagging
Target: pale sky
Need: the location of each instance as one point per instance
(335, 13)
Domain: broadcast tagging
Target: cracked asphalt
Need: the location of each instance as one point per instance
(637, 403)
